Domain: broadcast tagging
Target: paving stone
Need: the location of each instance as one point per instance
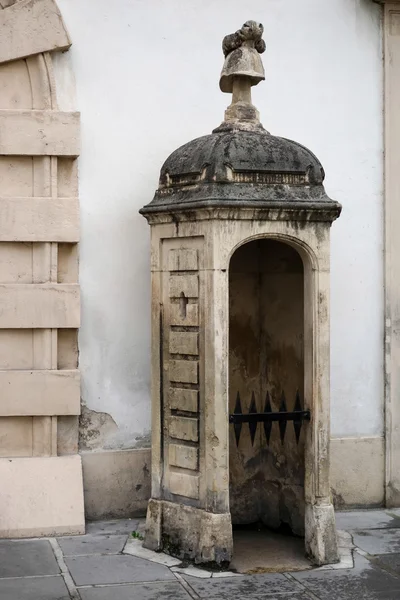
(135, 548)
(22, 558)
(389, 561)
(34, 588)
(247, 586)
(101, 569)
(263, 597)
(118, 526)
(193, 571)
(151, 591)
(92, 544)
(364, 582)
(378, 541)
(366, 519)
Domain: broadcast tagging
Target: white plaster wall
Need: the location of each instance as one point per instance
(147, 81)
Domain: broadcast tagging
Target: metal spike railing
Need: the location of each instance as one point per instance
(282, 416)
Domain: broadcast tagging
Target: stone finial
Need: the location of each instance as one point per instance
(242, 69)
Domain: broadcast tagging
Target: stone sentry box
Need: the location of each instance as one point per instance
(240, 229)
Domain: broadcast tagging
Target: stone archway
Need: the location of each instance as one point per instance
(41, 474)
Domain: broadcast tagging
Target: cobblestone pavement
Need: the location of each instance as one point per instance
(108, 563)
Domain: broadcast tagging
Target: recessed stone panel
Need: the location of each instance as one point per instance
(181, 399)
(187, 318)
(184, 484)
(183, 342)
(183, 371)
(183, 259)
(184, 284)
(182, 456)
(184, 428)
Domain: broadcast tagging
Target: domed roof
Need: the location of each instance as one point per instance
(240, 164)
(241, 168)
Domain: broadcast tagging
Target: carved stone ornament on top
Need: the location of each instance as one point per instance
(242, 69)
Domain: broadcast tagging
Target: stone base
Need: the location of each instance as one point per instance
(41, 497)
(320, 534)
(116, 483)
(189, 533)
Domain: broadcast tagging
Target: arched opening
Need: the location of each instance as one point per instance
(266, 386)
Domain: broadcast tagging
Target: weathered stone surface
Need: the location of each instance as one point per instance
(279, 171)
(381, 541)
(184, 484)
(116, 484)
(243, 587)
(188, 285)
(95, 570)
(92, 544)
(188, 533)
(184, 428)
(183, 259)
(389, 562)
(189, 319)
(41, 496)
(183, 399)
(364, 581)
(367, 519)
(183, 371)
(184, 343)
(155, 591)
(27, 558)
(115, 527)
(45, 588)
(185, 457)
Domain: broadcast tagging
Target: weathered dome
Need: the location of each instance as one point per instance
(239, 168)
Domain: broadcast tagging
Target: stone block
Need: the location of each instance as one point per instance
(184, 484)
(31, 27)
(39, 133)
(184, 428)
(183, 399)
(183, 371)
(357, 471)
(39, 306)
(185, 457)
(40, 393)
(183, 259)
(39, 220)
(190, 319)
(41, 496)
(183, 342)
(184, 284)
(116, 483)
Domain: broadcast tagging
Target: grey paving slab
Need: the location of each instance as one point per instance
(92, 544)
(367, 519)
(391, 562)
(263, 597)
(365, 582)
(140, 591)
(119, 568)
(117, 526)
(248, 586)
(378, 541)
(35, 588)
(30, 557)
